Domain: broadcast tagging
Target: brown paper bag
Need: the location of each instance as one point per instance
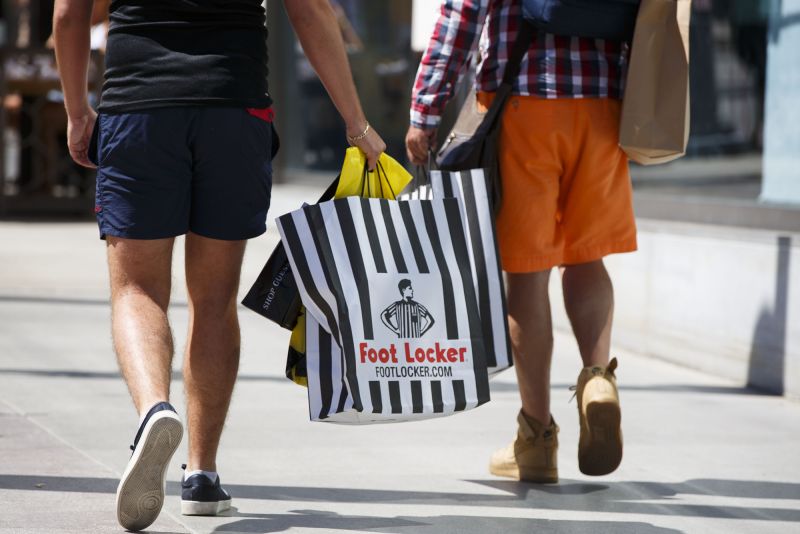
(655, 109)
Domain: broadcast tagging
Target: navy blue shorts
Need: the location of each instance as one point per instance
(168, 171)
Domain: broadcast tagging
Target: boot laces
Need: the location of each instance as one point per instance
(596, 371)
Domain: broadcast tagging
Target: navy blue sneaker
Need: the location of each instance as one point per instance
(140, 494)
(201, 496)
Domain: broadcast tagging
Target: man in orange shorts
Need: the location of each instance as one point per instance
(567, 203)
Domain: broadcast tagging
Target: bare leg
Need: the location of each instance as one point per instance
(589, 301)
(531, 330)
(140, 288)
(212, 351)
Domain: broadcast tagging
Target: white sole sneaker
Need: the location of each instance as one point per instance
(140, 494)
(204, 508)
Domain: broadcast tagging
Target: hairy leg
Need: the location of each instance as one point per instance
(531, 330)
(140, 274)
(212, 352)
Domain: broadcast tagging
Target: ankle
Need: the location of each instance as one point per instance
(145, 406)
(537, 422)
(211, 475)
(210, 467)
(608, 367)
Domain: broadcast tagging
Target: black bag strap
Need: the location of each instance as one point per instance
(521, 46)
(330, 192)
(513, 67)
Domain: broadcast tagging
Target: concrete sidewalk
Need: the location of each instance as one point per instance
(701, 453)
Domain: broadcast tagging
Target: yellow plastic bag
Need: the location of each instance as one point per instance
(296, 359)
(386, 181)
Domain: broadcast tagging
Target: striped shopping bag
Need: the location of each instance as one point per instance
(471, 188)
(393, 329)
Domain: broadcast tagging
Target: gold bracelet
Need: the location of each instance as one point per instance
(359, 137)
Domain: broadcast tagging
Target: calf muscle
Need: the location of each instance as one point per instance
(140, 289)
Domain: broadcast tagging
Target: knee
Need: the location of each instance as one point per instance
(213, 305)
(592, 274)
(521, 286)
(527, 293)
(155, 290)
(592, 268)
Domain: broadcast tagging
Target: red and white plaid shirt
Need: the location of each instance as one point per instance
(554, 67)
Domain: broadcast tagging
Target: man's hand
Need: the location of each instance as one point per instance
(371, 145)
(79, 135)
(71, 27)
(419, 143)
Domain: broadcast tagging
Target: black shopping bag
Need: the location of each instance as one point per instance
(274, 293)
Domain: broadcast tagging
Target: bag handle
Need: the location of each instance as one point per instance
(380, 170)
(421, 177)
(330, 192)
(366, 185)
(422, 172)
(432, 165)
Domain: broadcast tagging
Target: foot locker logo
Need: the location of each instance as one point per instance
(406, 317)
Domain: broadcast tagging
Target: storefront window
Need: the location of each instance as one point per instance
(37, 174)
(729, 59)
(377, 36)
(728, 72)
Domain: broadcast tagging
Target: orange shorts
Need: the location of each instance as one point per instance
(567, 195)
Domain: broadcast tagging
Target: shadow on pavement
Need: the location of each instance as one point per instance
(654, 388)
(767, 367)
(436, 524)
(649, 498)
(112, 375)
(69, 301)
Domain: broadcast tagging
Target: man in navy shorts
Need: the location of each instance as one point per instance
(183, 146)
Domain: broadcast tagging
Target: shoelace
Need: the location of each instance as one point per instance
(574, 389)
(596, 371)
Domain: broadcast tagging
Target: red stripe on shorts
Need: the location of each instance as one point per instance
(265, 114)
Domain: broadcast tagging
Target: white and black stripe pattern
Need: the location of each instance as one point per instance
(471, 189)
(335, 250)
(418, 192)
(329, 399)
(327, 390)
(408, 316)
(311, 224)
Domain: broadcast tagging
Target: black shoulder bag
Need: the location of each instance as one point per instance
(472, 143)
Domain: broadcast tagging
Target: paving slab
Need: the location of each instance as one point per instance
(701, 453)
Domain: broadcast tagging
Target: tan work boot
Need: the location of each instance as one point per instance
(600, 444)
(531, 457)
